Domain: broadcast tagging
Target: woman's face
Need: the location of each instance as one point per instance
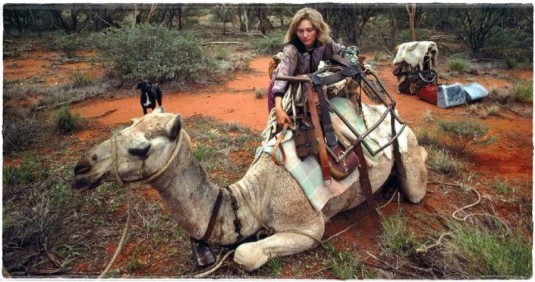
(306, 33)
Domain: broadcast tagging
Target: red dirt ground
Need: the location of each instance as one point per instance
(510, 158)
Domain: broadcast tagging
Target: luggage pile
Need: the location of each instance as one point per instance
(413, 68)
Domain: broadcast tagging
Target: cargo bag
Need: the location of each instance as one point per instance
(475, 91)
(428, 93)
(450, 96)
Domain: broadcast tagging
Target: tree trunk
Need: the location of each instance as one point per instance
(412, 16)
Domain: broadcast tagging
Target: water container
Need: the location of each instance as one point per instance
(475, 91)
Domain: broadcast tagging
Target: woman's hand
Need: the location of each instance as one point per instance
(282, 117)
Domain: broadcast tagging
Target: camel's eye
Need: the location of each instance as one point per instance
(140, 152)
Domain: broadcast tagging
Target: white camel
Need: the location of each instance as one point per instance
(156, 148)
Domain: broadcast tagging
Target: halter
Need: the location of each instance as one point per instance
(152, 177)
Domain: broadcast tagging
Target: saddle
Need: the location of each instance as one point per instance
(337, 156)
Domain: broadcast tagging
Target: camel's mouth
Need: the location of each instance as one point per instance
(84, 183)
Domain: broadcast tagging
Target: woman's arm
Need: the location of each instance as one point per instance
(286, 67)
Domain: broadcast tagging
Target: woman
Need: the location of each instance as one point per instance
(308, 43)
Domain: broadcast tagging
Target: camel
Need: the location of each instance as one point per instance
(157, 149)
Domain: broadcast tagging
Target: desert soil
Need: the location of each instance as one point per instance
(509, 158)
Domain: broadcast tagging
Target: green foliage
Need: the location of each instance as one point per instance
(30, 169)
(80, 80)
(270, 45)
(275, 267)
(64, 121)
(511, 63)
(427, 137)
(458, 65)
(204, 153)
(155, 53)
(483, 252)
(502, 187)
(441, 161)
(221, 54)
(343, 264)
(67, 44)
(396, 239)
(523, 91)
(464, 133)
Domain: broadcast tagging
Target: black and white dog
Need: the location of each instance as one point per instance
(150, 94)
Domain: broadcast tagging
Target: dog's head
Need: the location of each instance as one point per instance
(144, 85)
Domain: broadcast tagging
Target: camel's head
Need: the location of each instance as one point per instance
(136, 153)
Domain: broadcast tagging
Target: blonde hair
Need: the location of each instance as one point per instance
(315, 18)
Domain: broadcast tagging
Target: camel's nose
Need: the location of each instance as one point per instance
(83, 166)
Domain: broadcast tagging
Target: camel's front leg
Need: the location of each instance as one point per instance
(254, 255)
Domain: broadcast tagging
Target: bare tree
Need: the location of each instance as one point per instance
(412, 16)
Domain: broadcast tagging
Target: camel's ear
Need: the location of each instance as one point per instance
(174, 126)
(159, 110)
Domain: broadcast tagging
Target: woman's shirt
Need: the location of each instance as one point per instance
(297, 60)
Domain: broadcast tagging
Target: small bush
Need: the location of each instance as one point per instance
(511, 63)
(523, 92)
(343, 264)
(426, 137)
(64, 121)
(479, 252)
(155, 53)
(30, 170)
(441, 161)
(396, 239)
(458, 65)
(80, 80)
(463, 133)
(502, 187)
(271, 45)
(260, 93)
(221, 54)
(21, 129)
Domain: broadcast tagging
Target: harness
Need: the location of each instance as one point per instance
(327, 139)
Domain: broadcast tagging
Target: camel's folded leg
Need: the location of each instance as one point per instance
(254, 255)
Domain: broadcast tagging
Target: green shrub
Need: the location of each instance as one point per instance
(270, 45)
(30, 170)
(482, 252)
(343, 264)
(64, 121)
(458, 65)
(464, 133)
(441, 161)
(523, 91)
(80, 80)
(67, 44)
(155, 53)
(511, 63)
(396, 239)
(426, 137)
(502, 187)
(221, 54)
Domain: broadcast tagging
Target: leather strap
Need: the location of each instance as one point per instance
(278, 145)
(365, 180)
(215, 211)
(328, 131)
(324, 161)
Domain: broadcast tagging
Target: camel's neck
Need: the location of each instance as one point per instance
(186, 190)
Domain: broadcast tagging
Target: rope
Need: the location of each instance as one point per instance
(115, 168)
(123, 237)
